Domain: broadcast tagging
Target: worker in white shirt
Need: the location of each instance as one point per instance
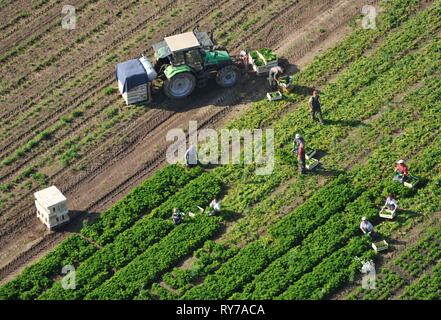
(391, 203)
(366, 226)
(215, 207)
(273, 77)
(191, 156)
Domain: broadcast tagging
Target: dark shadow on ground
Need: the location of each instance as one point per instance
(347, 123)
(320, 170)
(78, 219)
(250, 88)
(319, 154)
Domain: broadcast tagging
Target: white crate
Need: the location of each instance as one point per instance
(277, 97)
(387, 213)
(380, 246)
(262, 70)
(311, 163)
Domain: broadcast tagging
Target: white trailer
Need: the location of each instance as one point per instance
(135, 80)
(51, 207)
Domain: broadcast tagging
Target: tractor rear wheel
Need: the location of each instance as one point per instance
(180, 85)
(227, 76)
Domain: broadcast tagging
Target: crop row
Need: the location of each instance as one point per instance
(295, 121)
(327, 238)
(334, 274)
(349, 50)
(362, 206)
(426, 288)
(288, 232)
(209, 259)
(402, 66)
(331, 273)
(40, 276)
(140, 201)
(382, 75)
(284, 270)
(388, 281)
(144, 269)
(137, 239)
(424, 254)
(100, 266)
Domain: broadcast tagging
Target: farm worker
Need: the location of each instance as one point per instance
(315, 106)
(300, 144)
(244, 59)
(215, 206)
(366, 226)
(391, 203)
(191, 156)
(177, 216)
(401, 171)
(274, 75)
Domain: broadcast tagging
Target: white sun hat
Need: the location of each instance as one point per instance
(298, 136)
(401, 161)
(363, 219)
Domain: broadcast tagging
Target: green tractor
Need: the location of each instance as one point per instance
(186, 61)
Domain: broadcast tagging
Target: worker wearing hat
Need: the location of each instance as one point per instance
(366, 227)
(299, 144)
(401, 171)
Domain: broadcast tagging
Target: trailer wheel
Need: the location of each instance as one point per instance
(227, 76)
(180, 86)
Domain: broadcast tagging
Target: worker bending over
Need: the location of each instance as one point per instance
(274, 75)
(315, 106)
(366, 226)
(215, 207)
(177, 216)
(391, 203)
(401, 171)
(300, 145)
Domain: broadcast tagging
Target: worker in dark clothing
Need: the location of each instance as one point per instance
(274, 75)
(315, 107)
(177, 216)
(300, 146)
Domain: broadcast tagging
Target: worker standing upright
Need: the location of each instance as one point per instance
(244, 59)
(191, 156)
(315, 106)
(300, 144)
(274, 75)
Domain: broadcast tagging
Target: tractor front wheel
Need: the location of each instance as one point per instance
(227, 76)
(180, 85)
